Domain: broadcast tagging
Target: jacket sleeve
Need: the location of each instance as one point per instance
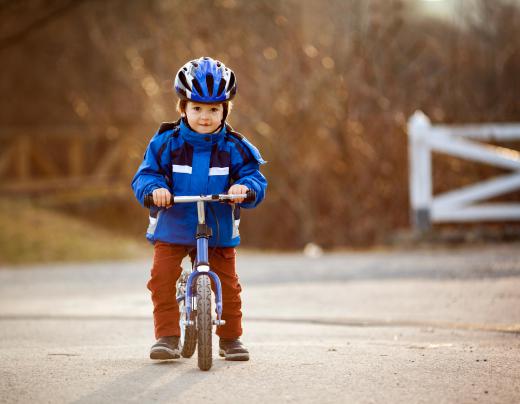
(153, 172)
(246, 172)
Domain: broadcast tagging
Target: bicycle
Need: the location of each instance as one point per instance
(194, 289)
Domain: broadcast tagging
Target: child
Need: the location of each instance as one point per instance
(199, 154)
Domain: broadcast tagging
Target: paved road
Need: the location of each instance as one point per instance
(403, 326)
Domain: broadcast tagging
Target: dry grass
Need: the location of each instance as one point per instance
(34, 235)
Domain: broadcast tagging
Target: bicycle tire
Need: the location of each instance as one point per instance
(188, 339)
(204, 323)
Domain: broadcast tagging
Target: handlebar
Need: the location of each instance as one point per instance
(249, 196)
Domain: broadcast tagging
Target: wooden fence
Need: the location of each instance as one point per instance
(69, 160)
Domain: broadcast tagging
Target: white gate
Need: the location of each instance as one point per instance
(459, 205)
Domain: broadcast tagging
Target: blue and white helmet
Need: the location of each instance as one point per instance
(205, 80)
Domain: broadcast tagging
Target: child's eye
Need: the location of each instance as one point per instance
(196, 108)
(214, 109)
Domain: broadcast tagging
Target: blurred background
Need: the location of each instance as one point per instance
(325, 90)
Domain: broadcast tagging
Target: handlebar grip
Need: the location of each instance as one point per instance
(251, 196)
(148, 201)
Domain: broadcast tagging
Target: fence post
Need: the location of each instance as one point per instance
(76, 156)
(22, 158)
(420, 168)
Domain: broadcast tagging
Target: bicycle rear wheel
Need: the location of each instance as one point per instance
(188, 339)
(204, 323)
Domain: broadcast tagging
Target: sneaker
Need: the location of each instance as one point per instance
(165, 348)
(233, 350)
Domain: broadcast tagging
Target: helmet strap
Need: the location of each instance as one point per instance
(185, 120)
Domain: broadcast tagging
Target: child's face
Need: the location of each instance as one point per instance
(204, 118)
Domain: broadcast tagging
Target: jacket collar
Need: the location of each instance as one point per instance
(200, 139)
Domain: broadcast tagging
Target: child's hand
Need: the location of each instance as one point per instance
(162, 197)
(237, 190)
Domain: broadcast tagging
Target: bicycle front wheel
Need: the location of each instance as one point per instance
(204, 323)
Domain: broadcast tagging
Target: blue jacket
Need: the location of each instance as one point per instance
(190, 163)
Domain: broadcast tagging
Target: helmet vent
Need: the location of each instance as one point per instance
(221, 87)
(183, 80)
(209, 84)
(197, 86)
(231, 82)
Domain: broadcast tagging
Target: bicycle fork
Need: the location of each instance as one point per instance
(202, 268)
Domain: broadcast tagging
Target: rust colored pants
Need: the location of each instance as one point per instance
(164, 274)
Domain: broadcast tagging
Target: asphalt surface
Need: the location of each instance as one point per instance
(417, 326)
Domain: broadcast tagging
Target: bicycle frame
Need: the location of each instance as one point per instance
(201, 264)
